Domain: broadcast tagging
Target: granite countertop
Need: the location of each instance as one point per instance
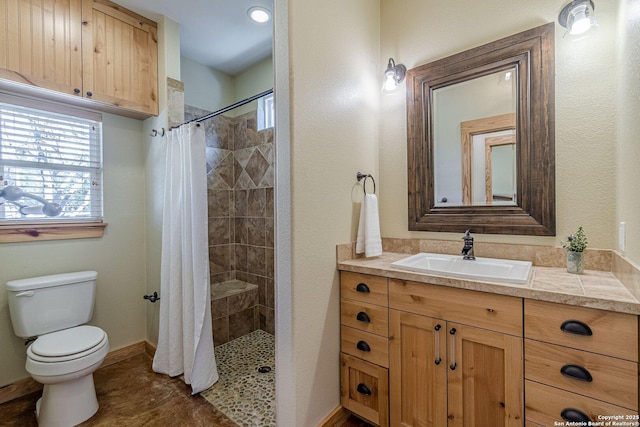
(595, 289)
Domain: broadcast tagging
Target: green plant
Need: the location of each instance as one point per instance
(576, 242)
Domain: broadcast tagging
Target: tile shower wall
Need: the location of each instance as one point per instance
(240, 179)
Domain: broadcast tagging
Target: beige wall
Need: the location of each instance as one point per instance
(154, 164)
(205, 87)
(335, 91)
(118, 257)
(628, 125)
(416, 32)
(211, 90)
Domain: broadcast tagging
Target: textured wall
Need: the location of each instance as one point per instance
(416, 32)
(118, 257)
(335, 95)
(628, 124)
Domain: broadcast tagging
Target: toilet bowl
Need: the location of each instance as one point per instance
(64, 362)
(66, 352)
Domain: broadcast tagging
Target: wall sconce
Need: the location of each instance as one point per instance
(577, 16)
(393, 75)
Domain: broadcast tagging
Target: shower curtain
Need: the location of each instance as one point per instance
(185, 340)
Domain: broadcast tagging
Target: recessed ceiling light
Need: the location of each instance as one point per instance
(259, 14)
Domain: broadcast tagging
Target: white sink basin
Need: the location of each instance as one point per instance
(490, 269)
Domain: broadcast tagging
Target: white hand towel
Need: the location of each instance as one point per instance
(369, 240)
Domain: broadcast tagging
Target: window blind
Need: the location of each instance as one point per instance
(49, 159)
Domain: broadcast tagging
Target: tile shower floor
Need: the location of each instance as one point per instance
(242, 393)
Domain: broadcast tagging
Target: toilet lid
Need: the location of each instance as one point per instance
(68, 341)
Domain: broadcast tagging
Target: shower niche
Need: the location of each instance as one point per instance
(240, 191)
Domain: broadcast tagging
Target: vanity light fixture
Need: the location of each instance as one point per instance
(577, 16)
(259, 14)
(393, 75)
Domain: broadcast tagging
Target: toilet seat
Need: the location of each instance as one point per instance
(94, 340)
(67, 344)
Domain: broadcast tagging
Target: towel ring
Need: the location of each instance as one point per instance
(360, 176)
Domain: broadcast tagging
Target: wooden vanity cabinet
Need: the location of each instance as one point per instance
(444, 370)
(579, 363)
(91, 49)
(364, 357)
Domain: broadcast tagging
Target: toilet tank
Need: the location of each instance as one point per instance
(40, 305)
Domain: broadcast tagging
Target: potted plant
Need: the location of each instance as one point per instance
(575, 246)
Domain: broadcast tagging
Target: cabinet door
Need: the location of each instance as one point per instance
(417, 370)
(120, 57)
(40, 43)
(485, 378)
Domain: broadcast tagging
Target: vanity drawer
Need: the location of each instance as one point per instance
(364, 287)
(545, 405)
(366, 317)
(612, 380)
(480, 309)
(364, 345)
(364, 389)
(597, 331)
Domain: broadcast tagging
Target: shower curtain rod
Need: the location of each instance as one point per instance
(225, 109)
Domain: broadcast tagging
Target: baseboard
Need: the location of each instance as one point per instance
(150, 349)
(336, 418)
(28, 385)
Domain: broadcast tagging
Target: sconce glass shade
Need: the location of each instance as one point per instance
(577, 16)
(393, 75)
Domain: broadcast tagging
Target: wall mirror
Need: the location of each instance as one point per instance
(480, 137)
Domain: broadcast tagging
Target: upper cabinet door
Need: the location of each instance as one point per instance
(40, 43)
(120, 61)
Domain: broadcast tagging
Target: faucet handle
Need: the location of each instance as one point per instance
(467, 234)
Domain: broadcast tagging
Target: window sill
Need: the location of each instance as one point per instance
(42, 232)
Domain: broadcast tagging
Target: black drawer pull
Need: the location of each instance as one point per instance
(362, 288)
(89, 94)
(570, 414)
(576, 372)
(363, 389)
(576, 327)
(363, 317)
(363, 346)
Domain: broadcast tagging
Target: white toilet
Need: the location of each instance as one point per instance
(66, 352)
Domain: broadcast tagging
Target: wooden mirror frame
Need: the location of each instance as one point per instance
(532, 54)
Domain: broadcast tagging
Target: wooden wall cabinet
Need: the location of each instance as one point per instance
(91, 49)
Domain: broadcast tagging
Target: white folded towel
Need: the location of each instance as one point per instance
(369, 240)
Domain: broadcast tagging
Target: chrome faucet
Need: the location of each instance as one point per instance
(467, 250)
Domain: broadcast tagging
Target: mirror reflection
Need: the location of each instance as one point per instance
(474, 141)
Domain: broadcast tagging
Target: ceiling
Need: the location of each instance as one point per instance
(216, 33)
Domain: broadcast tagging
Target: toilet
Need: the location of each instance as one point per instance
(66, 352)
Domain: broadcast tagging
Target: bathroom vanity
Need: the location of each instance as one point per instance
(428, 350)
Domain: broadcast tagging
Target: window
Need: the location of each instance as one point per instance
(50, 167)
(266, 112)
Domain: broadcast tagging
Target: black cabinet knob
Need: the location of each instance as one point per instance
(363, 389)
(576, 372)
(576, 327)
(363, 317)
(76, 91)
(363, 346)
(362, 287)
(571, 414)
(89, 94)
